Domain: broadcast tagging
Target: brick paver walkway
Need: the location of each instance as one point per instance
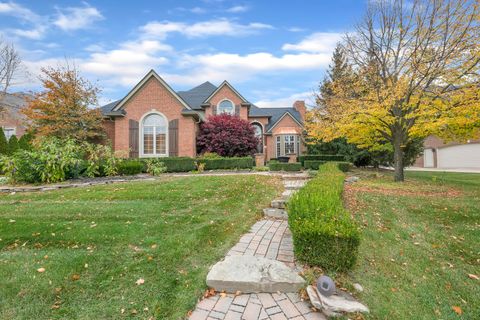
(271, 239)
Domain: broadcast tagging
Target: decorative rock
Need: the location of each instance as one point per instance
(326, 286)
(275, 213)
(278, 204)
(335, 303)
(352, 179)
(358, 287)
(250, 274)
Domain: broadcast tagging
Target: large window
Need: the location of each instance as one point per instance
(154, 135)
(226, 106)
(289, 144)
(259, 134)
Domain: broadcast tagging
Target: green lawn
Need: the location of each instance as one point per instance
(421, 240)
(95, 243)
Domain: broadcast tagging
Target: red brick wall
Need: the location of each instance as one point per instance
(153, 96)
(226, 93)
(287, 123)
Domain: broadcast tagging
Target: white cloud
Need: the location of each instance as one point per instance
(219, 27)
(75, 18)
(13, 9)
(316, 42)
(238, 9)
(198, 10)
(296, 29)
(127, 64)
(285, 101)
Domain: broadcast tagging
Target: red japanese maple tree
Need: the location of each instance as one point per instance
(228, 136)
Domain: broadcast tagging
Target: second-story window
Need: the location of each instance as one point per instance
(226, 106)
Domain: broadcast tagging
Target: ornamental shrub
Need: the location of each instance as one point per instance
(3, 142)
(324, 233)
(25, 141)
(130, 167)
(321, 157)
(315, 164)
(179, 164)
(12, 145)
(155, 166)
(282, 166)
(227, 163)
(228, 136)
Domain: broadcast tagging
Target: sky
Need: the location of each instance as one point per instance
(272, 52)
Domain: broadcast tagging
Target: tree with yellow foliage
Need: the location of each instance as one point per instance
(63, 109)
(416, 69)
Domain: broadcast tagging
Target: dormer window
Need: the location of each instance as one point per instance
(226, 106)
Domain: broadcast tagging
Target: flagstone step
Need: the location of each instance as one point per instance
(251, 274)
(294, 184)
(275, 213)
(288, 193)
(301, 176)
(278, 203)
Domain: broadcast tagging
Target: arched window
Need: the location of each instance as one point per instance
(154, 135)
(259, 134)
(226, 106)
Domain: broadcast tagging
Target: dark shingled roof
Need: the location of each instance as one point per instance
(196, 96)
(274, 113)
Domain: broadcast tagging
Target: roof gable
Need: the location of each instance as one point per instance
(223, 84)
(195, 97)
(139, 85)
(274, 122)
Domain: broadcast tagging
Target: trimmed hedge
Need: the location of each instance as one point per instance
(315, 164)
(227, 163)
(281, 166)
(179, 164)
(324, 233)
(130, 167)
(321, 157)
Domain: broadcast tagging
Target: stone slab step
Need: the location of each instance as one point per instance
(278, 203)
(275, 213)
(288, 193)
(250, 274)
(295, 177)
(294, 184)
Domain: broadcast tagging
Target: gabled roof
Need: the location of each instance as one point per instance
(275, 115)
(195, 97)
(225, 83)
(147, 77)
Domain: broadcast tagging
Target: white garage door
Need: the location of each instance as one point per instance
(461, 156)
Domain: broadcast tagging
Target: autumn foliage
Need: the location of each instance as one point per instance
(62, 109)
(228, 136)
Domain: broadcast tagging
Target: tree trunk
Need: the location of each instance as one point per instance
(398, 158)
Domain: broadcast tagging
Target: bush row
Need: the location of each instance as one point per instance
(324, 233)
(186, 164)
(320, 157)
(315, 164)
(281, 166)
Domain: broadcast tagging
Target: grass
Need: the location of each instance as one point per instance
(420, 241)
(95, 243)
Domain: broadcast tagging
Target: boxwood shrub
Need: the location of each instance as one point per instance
(324, 233)
(130, 167)
(321, 157)
(281, 166)
(227, 163)
(315, 164)
(179, 164)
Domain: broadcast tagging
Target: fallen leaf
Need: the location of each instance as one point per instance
(75, 277)
(457, 309)
(41, 270)
(140, 281)
(223, 294)
(473, 276)
(150, 258)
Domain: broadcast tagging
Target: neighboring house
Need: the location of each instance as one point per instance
(153, 120)
(12, 120)
(438, 154)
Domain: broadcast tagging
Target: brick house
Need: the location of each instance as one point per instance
(12, 120)
(153, 120)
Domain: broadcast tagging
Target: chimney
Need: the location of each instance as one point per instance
(299, 105)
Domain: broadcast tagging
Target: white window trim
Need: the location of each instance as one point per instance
(282, 145)
(233, 104)
(140, 131)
